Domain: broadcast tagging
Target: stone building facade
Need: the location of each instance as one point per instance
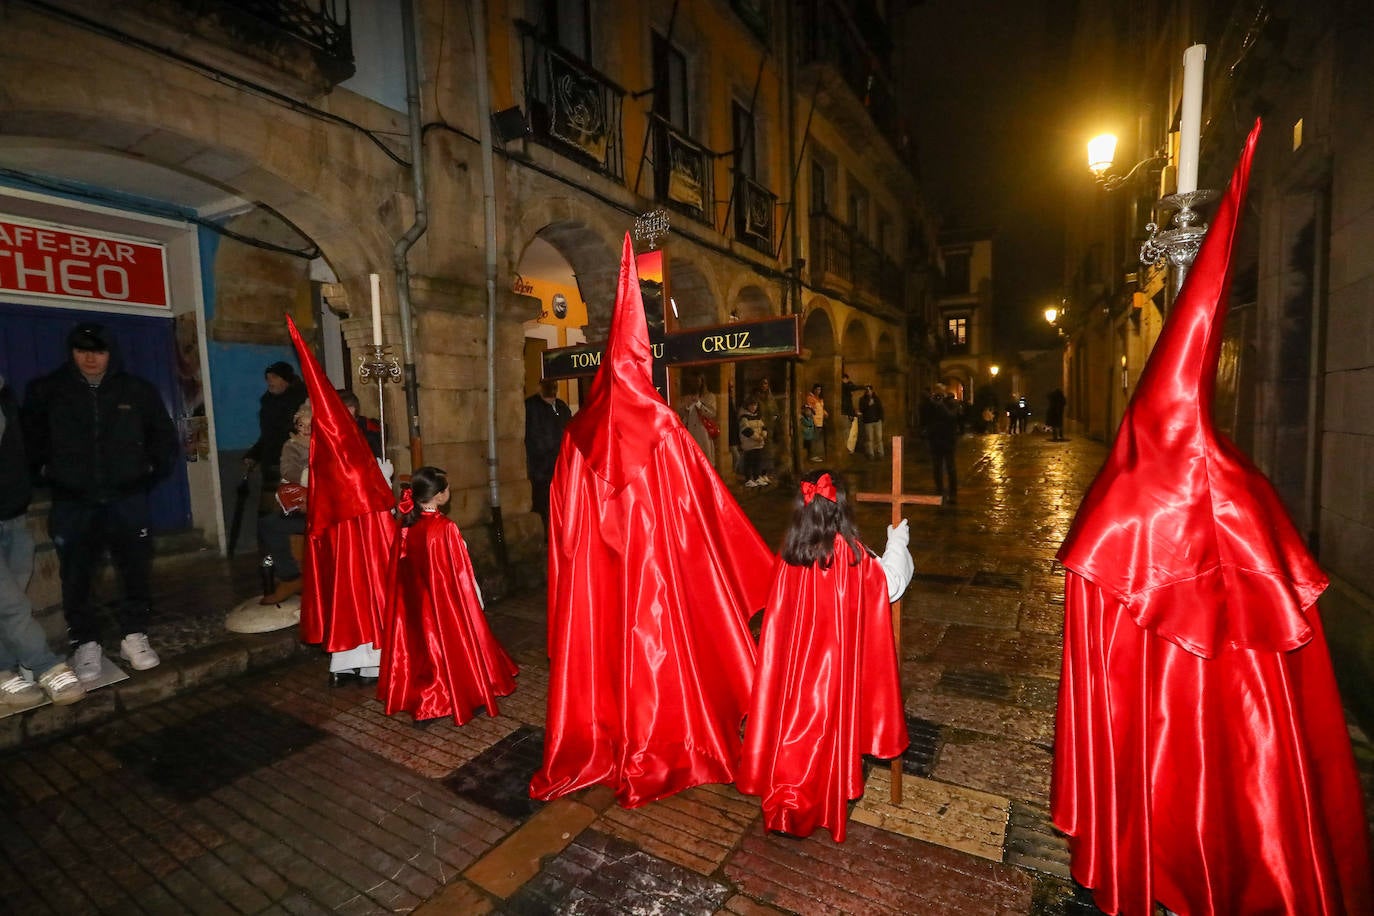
(271, 163)
(1295, 382)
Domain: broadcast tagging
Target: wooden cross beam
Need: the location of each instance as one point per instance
(898, 499)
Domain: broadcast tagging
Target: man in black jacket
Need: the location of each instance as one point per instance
(100, 438)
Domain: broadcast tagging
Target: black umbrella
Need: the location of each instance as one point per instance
(241, 503)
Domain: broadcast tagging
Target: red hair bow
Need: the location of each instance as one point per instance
(823, 486)
(407, 501)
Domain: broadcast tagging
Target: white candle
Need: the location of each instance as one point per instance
(376, 309)
(1190, 118)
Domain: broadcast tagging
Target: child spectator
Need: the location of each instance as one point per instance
(827, 688)
(440, 657)
(753, 436)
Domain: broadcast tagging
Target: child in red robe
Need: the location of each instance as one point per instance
(827, 687)
(439, 657)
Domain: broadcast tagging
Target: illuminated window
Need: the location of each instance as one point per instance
(956, 332)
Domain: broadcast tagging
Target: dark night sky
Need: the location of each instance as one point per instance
(982, 77)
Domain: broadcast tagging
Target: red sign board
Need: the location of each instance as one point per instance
(46, 260)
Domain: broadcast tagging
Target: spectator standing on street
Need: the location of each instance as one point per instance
(1054, 416)
(815, 402)
(546, 414)
(851, 417)
(101, 438)
(281, 533)
(871, 423)
(771, 414)
(370, 428)
(753, 439)
(827, 689)
(939, 422)
(698, 411)
(22, 641)
(276, 412)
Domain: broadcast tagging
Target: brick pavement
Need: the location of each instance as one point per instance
(233, 780)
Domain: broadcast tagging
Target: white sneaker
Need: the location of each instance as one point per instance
(751, 483)
(87, 661)
(61, 685)
(135, 650)
(765, 480)
(15, 691)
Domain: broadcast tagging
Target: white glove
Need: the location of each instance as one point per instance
(896, 560)
(387, 468)
(305, 477)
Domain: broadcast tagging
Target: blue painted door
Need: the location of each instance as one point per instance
(33, 342)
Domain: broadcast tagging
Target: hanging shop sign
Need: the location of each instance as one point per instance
(42, 259)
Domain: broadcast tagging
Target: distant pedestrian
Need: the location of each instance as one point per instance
(827, 689)
(754, 459)
(815, 404)
(697, 407)
(22, 641)
(1054, 416)
(848, 389)
(546, 415)
(101, 438)
(871, 423)
(939, 423)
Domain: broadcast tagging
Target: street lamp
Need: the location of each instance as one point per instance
(994, 370)
(1101, 156)
(1051, 314)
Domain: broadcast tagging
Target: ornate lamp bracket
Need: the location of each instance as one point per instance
(1178, 245)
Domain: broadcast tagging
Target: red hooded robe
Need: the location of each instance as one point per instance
(654, 572)
(827, 692)
(349, 528)
(1201, 754)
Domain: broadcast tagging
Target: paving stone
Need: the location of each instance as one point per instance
(987, 578)
(602, 874)
(873, 872)
(920, 755)
(193, 759)
(992, 610)
(991, 685)
(989, 717)
(1034, 843)
(942, 814)
(1012, 768)
(696, 828)
(517, 859)
(499, 777)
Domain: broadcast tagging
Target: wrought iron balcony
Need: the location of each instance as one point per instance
(831, 249)
(321, 24)
(572, 107)
(682, 171)
(754, 209)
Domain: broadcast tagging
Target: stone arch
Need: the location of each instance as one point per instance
(750, 299)
(855, 345)
(588, 243)
(693, 289)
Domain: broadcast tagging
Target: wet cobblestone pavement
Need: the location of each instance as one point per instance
(233, 780)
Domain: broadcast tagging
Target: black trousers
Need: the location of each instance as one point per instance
(942, 463)
(82, 532)
(274, 540)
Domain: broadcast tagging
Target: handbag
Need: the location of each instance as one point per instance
(712, 429)
(291, 498)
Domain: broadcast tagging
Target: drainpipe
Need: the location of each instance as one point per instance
(477, 12)
(417, 228)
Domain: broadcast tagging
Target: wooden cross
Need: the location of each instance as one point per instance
(898, 499)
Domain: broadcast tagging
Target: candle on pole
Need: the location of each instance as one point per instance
(1190, 118)
(376, 281)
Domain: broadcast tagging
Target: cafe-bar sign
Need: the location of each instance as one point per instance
(40, 259)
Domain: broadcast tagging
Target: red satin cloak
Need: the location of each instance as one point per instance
(827, 691)
(439, 657)
(653, 573)
(1201, 754)
(349, 525)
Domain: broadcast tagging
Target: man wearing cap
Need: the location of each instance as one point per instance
(100, 438)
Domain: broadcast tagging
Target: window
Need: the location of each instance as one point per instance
(820, 190)
(858, 211)
(742, 127)
(568, 24)
(670, 83)
(956, 332)
(957, 272)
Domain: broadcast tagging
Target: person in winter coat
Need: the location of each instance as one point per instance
(100, 437)
(276, 415)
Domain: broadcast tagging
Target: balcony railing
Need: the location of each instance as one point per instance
(840, 253)
(321, 24)
(682, 171)
(573, 108)
(754, 209)
(831, 249)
